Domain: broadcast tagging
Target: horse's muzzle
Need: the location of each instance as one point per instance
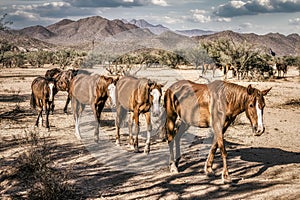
(258, 131)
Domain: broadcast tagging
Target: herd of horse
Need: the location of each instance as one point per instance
(185, 104)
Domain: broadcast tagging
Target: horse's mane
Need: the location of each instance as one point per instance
(233, 93)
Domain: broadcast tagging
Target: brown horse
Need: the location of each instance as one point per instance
(42, 95)
(137, 96)
(94, 91)
(213, 105)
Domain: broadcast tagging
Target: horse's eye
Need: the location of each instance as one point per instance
(251, 105)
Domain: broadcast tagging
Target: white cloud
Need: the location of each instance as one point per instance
(200, 16)
(254, 7)
(295, 21)
(159, 2)
(223, 19)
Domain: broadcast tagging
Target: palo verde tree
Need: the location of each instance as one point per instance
(243, 56)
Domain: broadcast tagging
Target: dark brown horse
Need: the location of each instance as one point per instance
(63, 79)
(281, 69)
(213, 105)
(42, 95)
(137, 96)
(94, 91)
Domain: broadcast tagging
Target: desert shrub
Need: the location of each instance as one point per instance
(34, 169)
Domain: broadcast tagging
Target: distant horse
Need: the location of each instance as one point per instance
(215, 105)
(63, 79)
(137, 96)
(211, 66)
(281, 68)
(226, 69)
(94, 91)
(43, 90)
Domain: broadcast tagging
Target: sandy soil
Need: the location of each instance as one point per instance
(265, 167)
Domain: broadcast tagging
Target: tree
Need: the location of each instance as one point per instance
(4, 23)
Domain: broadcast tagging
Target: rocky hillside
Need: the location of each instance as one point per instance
(23, 42)
(98, 32)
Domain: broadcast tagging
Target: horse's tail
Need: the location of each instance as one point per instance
(32, 101)
(161, 131)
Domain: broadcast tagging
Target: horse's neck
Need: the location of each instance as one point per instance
(236, 105)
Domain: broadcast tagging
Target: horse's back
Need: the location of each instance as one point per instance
(191, 101)
(83, 87)
(124, 90)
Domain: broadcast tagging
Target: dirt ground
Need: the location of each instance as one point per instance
(265, 167)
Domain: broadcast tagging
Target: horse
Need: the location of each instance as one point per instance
(42, 96)
(281, 68)
(63, 79)
(91, 90)
(136, 95)
(226, 69)
(215, 105)
(211, 66)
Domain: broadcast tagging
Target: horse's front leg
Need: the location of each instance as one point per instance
(97, 114)
(170, 131)
(67, 103)
(47, 108)
(149, 129)
(40, 111)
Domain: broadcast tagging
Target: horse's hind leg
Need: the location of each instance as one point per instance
(75, 108)
(136, 130)
(149, 129)
(181, 129)
(120, 116)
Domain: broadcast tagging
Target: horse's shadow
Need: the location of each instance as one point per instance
(266, 157)
(261, 158)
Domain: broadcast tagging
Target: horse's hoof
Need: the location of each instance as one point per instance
(173, 169)
(118, 143)
(226, 179)
(147, 150)
(136, 150)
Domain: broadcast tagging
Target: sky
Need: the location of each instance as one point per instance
(245, 16)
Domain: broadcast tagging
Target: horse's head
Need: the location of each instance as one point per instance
(254, 109)
(111, 89)
(63, 81)
(51, 87)
(156, 93)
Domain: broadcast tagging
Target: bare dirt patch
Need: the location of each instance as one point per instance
(265, 167)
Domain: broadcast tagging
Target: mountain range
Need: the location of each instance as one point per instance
(98, 32)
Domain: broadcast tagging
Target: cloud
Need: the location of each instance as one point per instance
(200, 16)
(159, 2)
(115, 3)
(254, 7)
(295, 22)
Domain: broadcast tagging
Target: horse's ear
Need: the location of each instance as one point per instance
(265, 92)
(116, 79)
(163, 84)
(250, 89)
